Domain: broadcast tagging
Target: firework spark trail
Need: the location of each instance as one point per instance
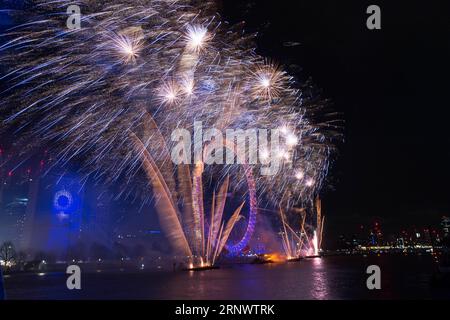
(169, 62)
(198, 209)
(220, 206)
(165, 206)
(286, 242)
(208, 249)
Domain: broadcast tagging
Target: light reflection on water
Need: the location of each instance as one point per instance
(318, 278)
(320, 281)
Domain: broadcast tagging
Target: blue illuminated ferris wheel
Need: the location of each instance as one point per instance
(63, 201)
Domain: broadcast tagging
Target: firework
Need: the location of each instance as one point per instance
(201, 250)
(196, 37)
(268, 82)
(143, 70)
(127, 45)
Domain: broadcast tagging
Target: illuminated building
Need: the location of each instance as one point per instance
(400, 243)
(446, 226)
(19, 194)
(13, 205)
(373, 239)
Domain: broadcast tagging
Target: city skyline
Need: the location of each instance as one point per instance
(224, 150)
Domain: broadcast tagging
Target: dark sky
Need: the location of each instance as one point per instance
(391, 87)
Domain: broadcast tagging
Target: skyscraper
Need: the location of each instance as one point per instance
(446, 226)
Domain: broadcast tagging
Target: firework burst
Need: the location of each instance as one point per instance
(147, 68)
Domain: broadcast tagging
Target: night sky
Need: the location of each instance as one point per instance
(391, 88)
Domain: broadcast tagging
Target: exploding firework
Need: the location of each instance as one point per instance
(145, 69)
(268, 82)
(200, 242)
(303, 242)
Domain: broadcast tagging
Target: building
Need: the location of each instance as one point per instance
(446, 226)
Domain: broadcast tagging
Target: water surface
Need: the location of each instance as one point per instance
(403, 277)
